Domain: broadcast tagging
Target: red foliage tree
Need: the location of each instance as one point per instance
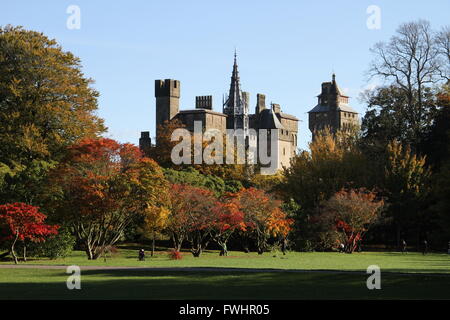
(22, 222)
(227, 219)
(191, 216)
(349, 213)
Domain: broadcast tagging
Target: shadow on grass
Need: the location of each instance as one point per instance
(139, 284)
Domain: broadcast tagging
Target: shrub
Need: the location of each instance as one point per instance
(175, 255)
(59, 246)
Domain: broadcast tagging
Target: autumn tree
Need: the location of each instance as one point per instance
(23, 222)
(263, 216)
(349, 213)
(332, 163)
(227, 219)
(155, 220)
(191, 217)
(46, 104)
(103, 185)
(177, 226)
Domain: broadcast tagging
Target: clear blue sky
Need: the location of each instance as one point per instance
(286, 49)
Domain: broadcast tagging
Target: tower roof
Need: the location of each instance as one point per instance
(269, 120)
(330, 98)
(234, 100)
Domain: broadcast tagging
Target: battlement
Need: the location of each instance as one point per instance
(203, 102)
(167, 88)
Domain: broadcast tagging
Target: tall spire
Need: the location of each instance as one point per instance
(235, 105)
(234, 100)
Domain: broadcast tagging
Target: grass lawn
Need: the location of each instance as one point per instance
(148, 284)
(132, 284)
(388, 261)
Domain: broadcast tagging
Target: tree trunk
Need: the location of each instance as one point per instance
(89, 252)
(153, 244)
(223, 251)
(24, 253)
(16, 261)
(196, 252)
(261, 245)
(177, 243)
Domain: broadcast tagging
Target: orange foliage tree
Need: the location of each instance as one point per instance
(103, 185)
(262, 216)
(191, 217)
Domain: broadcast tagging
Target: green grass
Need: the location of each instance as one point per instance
(184, 284)
(387, 261)
(132, 284)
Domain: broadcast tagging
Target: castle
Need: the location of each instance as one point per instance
(332, 110)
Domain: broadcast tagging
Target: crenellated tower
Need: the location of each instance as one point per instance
(167, 93)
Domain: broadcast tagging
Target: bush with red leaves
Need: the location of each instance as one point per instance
(175, 255)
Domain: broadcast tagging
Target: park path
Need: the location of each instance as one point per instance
(209, 269)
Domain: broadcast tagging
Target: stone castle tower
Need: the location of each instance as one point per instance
(332, 110)
(167, 94)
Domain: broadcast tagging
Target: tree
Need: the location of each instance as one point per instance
(150, 190)
(47, 104)
(155, 219)
(227, 219)
(388, 117)
(350, 213)
(333, 162)
(435, 145)
(194, 178)
(411, 61)
(262, 216)
(406, 184)
(191, 217)
(437, 150)
(441, 207)
(103, 186)
(23, 222)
